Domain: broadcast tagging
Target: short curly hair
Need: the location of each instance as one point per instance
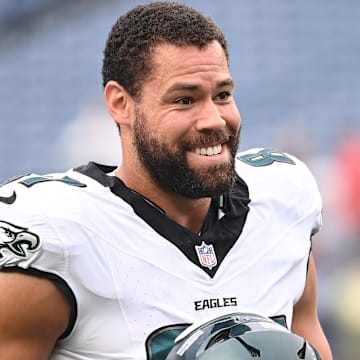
(128, 49)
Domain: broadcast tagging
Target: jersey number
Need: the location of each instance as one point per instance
(40, 179)
(265, 157)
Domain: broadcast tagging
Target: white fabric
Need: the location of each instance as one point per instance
(129, 281)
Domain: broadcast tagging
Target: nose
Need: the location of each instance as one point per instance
(209, 117)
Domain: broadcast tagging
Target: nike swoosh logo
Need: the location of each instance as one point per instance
(8, 199)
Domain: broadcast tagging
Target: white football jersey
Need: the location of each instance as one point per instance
(135, 278)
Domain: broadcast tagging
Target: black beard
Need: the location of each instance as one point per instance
(170, 169)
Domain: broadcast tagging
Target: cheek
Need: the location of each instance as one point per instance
(176, 130)
(235, 119)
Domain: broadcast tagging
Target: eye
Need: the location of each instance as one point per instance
(223, 96)
(184, 101)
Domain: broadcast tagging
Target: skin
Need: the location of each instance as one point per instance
(189, 100)
(33, 314)
(305, 317)
(29, 325)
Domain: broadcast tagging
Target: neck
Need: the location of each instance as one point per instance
(190, 213)
(187, 212)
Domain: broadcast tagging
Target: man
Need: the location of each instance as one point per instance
(113, 263)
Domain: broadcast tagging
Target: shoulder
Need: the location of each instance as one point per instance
(34, 196)
(50, 194)
(43, 215)
(278, 175)
(277, 166)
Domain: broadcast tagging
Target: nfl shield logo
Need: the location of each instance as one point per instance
(206, 255)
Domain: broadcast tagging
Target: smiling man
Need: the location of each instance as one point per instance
(114, 262)
(180, 135)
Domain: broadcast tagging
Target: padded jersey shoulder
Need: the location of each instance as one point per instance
(281, 178)
(43, 214)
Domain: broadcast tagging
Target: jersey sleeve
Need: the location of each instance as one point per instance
(28, 238)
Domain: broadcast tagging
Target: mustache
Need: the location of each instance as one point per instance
(210, 137)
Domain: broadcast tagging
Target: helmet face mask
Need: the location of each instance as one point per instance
(241, 336)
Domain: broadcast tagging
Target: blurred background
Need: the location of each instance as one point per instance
(296, 68)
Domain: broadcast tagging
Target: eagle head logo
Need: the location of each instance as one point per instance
(16, 243)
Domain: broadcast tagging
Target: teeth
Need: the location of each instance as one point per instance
(209, 151)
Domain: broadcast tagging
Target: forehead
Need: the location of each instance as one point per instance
(188, 63)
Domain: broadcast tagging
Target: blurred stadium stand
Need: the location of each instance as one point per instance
(295, 64)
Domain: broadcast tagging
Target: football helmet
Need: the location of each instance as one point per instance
(241, 336)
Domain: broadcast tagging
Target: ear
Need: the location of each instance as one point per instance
(119, 102)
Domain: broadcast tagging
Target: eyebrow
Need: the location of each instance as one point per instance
(193, 87)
